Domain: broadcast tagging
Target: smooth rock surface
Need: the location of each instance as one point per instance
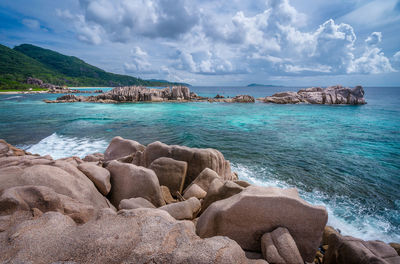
(72, 183)
(279, 247)
(197, 159)
(170, 173)
(134, 203)
(132, 236)
(98, 175)
(131, 181)
(44, 199)
(120, 147)
(220, 190)
(186, 210)
(194, 190)
(350, 250)
(246, 216)
(204, 179)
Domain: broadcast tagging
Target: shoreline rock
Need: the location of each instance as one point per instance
(59, 210)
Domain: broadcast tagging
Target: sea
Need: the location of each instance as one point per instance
(346, 158)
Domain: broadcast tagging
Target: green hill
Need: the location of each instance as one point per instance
(24, 61)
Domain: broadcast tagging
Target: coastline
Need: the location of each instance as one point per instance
(207, 187)
(25, 92)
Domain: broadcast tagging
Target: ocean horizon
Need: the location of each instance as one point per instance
(346, 158)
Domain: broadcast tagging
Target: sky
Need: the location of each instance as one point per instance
(204, 42)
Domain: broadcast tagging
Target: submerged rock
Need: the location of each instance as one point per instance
(316, 95)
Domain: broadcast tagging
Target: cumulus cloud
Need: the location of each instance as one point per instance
(275, 40)
(124, 21)
(139, 62)
(374, 39)
(372, 61)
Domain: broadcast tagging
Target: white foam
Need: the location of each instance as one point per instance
(59, 146)
(366, 227)
(13, 97)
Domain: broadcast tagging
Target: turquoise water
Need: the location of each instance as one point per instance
(344, 157)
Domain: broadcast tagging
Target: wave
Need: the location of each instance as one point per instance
(340, 209)
(344, 214)
(59, 146)
(13, 97)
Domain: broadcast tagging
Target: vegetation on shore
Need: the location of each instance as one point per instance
(26, 60)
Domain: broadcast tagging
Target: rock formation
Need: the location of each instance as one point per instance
(316, 95)
(55, 211)
(246, 216)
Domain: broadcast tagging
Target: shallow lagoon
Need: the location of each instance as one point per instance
(345, 157)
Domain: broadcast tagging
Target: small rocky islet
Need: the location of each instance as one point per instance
(160, 204)
(315, 95)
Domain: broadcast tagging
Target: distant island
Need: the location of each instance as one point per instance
(263, 85)
(24, 61)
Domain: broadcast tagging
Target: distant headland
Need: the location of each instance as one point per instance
(17, 65)
(263, 85)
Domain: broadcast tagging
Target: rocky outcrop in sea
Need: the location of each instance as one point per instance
(144, 94)
(316, 95)
(160, 204)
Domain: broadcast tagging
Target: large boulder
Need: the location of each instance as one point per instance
(350, 250)
(186, 210)
(24, 161)
(220, 190)
(120, 147)
(279, 247)
(170, 173)
(204, 179)
(131, 181)
(135, 203)
(197, 159)
(132, 236)
(98, 175)
(194, 190)
(70, 182)
(95, 157)
(44, 199)
(246, 216)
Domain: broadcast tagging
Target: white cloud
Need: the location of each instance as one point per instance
(372, 61)
(124, 21)
(139, 62)
(396, 56)
(374, 39)
(192, 38)
(31, 23)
